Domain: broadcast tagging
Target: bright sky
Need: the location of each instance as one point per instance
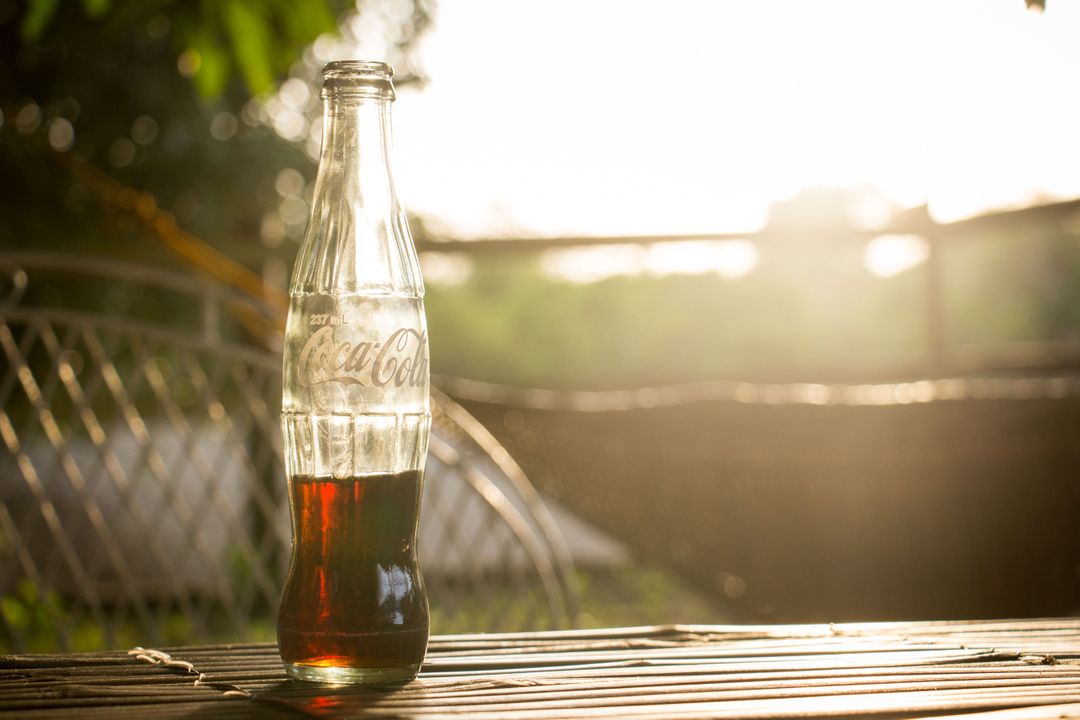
(607, 117)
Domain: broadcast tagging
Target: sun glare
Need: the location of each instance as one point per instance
(689, 117)
(592, 264)
(729, 259)
(445, 268)
(889, 255)
(696, 118)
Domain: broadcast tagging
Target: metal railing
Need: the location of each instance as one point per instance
(142, 489)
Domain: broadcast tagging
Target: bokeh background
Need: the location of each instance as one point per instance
(777, 303)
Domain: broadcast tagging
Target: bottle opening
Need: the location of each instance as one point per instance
(358, 79)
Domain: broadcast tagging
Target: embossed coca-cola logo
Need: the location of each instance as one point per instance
(400, 359)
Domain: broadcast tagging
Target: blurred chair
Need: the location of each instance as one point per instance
(142, 489)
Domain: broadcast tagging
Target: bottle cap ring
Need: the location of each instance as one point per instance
(358, 79)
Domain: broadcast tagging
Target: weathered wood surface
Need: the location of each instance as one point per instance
(1009, 670)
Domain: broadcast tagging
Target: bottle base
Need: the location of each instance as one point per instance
(331, 675)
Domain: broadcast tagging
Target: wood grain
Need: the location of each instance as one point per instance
(1009, 670)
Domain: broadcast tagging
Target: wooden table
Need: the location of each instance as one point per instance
(997, 669)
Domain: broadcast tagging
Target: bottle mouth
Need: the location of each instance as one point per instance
(358, 79)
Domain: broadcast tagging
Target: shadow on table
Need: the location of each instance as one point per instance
(293, 700)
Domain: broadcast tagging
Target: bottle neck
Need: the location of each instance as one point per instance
(358, 240)
(356, 152)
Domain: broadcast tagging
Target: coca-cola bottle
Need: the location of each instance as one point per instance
(355, 410)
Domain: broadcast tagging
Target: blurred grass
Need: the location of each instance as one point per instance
(804, 314)
(643, 595)
(510, 323)
(622, 596)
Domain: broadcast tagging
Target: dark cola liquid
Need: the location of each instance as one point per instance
(354, 607)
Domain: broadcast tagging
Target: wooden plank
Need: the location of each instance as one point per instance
(884, 669)
(1046, 712)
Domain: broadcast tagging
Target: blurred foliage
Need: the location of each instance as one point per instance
(1007, 289)
(260, 38)
(158, 94)
(620, 596)
(200, 147)
(31, 611)
(804, 314)
(641, 594)
(518, 326)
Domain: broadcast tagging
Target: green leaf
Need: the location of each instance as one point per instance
(96, 8)
(304, 23)
(201, 34)
(318, 19)
(298, 26)
(249, 34)
(27, 590)
(14, 613)
(213, 72)
(38, 15)
(88, 636)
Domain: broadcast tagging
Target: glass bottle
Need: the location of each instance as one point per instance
(355, 411)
